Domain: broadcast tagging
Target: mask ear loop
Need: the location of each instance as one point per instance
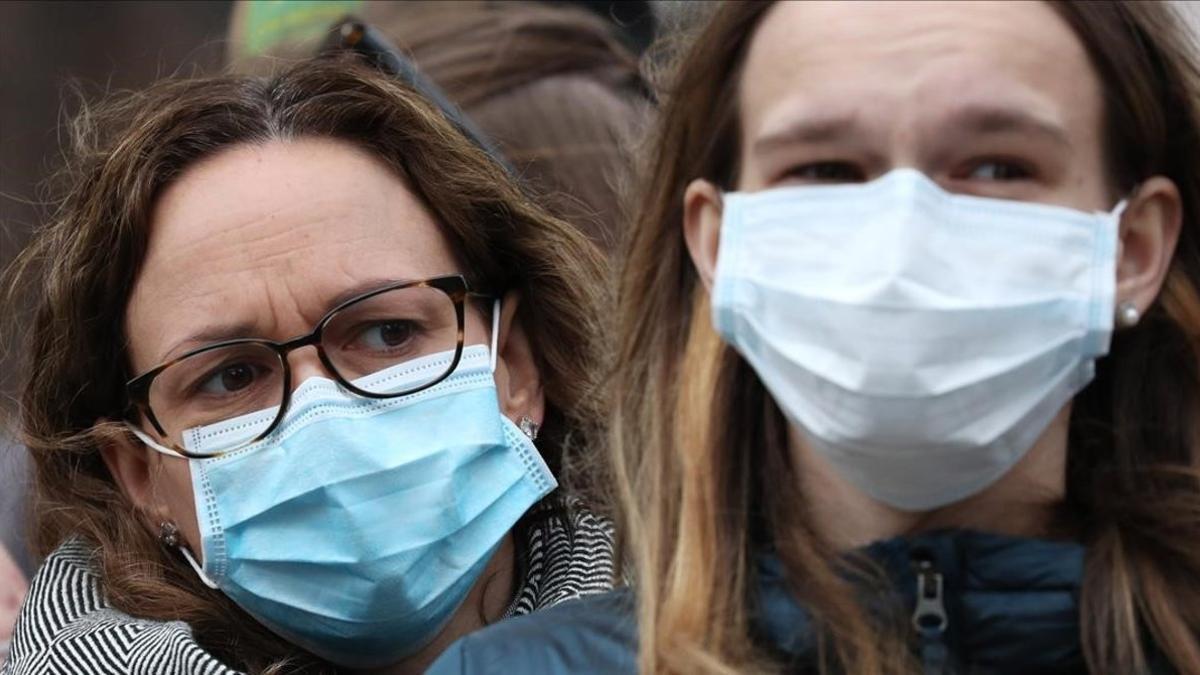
(168, 535)
(152, 444)
(187, 555)
(495, 331)
(1119, 209)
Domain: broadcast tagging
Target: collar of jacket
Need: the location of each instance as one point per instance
(1009, 604)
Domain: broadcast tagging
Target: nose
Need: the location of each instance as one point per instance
(305, 363)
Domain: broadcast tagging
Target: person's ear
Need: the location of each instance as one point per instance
(134, 466)
(1149, 231)
(518, 378)
(702, 227)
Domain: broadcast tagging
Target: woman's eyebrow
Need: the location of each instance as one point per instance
(243, 329)
(359, 289)
(209, 335)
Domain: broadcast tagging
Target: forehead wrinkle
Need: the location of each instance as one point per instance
(281, 229)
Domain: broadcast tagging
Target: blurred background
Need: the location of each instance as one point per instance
(101, 45)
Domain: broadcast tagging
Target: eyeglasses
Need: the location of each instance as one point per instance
(250, 380)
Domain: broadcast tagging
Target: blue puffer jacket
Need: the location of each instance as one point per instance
(984, 604)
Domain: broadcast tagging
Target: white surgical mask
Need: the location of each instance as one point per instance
(922, 341)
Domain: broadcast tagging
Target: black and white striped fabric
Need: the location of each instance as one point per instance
(67, 627)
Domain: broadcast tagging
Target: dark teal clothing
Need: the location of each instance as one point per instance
(991, 604)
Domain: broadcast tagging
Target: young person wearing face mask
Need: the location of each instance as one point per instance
(919, 393)
(303, 365)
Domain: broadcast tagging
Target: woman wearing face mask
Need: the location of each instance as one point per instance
(920, 387)
(294, 344)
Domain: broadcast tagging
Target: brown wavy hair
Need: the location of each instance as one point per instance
(699, 448)
(83, 263)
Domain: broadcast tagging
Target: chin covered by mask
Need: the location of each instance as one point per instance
(359, 526)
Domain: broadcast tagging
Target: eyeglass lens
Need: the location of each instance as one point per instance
(246, 382)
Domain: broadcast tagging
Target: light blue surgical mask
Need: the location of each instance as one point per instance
(922, 341)
(359, 526)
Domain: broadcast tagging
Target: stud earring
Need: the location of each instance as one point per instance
(1128, 315)
(529, 427)
(168, 534)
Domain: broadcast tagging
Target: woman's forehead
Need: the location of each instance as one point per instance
(268, 234)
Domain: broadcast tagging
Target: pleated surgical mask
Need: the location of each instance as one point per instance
(359, 526)
(922, 341)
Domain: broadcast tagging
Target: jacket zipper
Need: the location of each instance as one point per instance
(929, 618)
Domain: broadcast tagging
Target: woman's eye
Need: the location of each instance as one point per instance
(385, 335)
(230, 379)
(998, 171)
(826, 172)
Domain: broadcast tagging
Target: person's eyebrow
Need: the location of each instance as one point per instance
(972, 119)
(206, 336)
(245, 329)
(808, 129)
(359, 289)
(989, 119)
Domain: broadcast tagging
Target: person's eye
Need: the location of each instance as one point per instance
(825, 172)
(998, 170)
(387, 335)
(230, 378)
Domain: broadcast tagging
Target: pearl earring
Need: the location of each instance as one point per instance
(1128, 315)
(529, 427)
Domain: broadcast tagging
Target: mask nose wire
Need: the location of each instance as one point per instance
(495, 331)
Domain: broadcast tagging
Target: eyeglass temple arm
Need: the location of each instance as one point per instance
(353, 34)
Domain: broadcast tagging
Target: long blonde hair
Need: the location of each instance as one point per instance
(699, 448)
(82, 265)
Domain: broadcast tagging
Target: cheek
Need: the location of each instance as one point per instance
(173, 487)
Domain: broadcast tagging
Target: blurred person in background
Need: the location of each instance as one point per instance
(553, 85)
(215, 494)
(14, 558)
(909, 353)
(12, 592)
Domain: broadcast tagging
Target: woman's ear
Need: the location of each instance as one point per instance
(702, 227)
(1149, 231)
(133, 467)
(158, 486)
(518, 378)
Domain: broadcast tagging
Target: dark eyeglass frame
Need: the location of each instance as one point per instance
(455, 286)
